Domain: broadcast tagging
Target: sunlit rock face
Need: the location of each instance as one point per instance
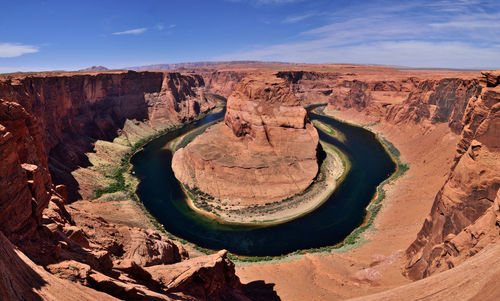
(264, 151)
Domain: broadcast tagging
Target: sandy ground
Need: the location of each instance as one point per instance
(375, 265)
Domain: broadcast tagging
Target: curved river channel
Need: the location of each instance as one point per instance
(329, 224)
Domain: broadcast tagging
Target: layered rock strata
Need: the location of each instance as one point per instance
(49, 118)
(265, 151)
(465, 216)
(72, 111)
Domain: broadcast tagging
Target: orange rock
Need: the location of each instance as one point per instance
(265, 151)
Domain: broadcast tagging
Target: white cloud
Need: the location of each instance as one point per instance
(135, 31)
(405, 53)
(14, 50)
(172, 26)
(463, 37)
(295, 19)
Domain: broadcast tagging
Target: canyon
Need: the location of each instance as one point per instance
(62, 133)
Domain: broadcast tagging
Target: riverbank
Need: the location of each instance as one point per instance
(109, 189)
(374, 263)
(332, 171)
(351, 240)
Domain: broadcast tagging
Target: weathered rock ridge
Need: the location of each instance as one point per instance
(265, 151)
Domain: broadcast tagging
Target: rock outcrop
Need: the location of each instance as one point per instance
(72, 111)
(265, 150)
(436, 101)
(50, 122)
(465, 216)
(21, 279)
(396, 98)
(25, 182)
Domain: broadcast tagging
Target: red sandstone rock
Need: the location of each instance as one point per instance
(25, 181)
(204, 277)
(264, 152)
(463, 218)
(21, 279)
(73, 111)
(69, 107)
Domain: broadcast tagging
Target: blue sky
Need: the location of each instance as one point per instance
(49, 35)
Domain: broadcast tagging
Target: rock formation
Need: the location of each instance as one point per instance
(465, 216)
(265, 151)
(25, 184)
(73, 111)
(48, 123)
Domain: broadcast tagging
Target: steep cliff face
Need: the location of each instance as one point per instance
(25, 182)
(265, 150)
(49, 123)
(74, 111)
(309, 86)
(397, 98)
(222, 82)
(465, 217)
(436, 101)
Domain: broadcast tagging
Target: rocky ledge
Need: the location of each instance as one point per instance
(264, 152)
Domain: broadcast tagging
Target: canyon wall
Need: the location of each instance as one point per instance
(72, 112)
(25, 182)
(397, 99)
(49, 123)
(222, 82)
(465, 216)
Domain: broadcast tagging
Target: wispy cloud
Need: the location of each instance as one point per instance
(298, 18)
(404, 53)
(172, 26)
(14, 50)
(460, 34)
(265, 2)
(135, 31)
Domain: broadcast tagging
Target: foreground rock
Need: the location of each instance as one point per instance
(21, 279)
(265, 151)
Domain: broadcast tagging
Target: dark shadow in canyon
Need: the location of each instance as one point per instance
(101, 121)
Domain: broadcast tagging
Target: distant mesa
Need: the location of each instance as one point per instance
(94, 69)
(265, 151)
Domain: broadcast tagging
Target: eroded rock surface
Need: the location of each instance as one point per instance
(49, 123)
(465, 216)
(265, 151)
(73, 111)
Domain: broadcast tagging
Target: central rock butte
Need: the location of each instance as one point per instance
(264, 152)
